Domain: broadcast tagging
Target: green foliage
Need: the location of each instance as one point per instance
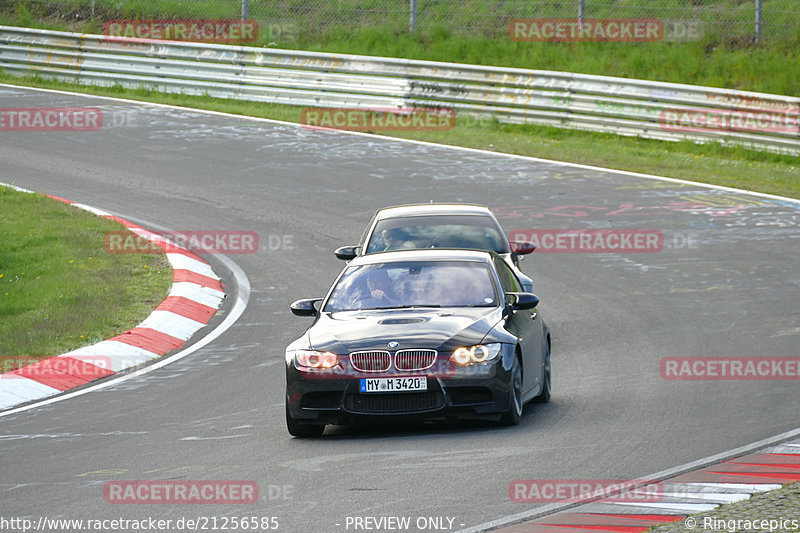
(23, 15)
(716, 60)
(59, 288)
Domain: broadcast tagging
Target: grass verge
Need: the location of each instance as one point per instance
(711, 62)
(714, 60)
(59, 288)
(711, 163)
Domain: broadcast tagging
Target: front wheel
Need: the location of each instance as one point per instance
(514, 413)
(547, 380)
(296, 429)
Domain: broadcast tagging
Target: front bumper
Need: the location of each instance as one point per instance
(453, 392)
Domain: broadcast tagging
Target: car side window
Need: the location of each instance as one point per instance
(363, 241)
(508, 280)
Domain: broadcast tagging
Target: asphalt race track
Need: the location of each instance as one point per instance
(726, 283)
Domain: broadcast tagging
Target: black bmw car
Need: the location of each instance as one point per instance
(421, 226)
(426, 334)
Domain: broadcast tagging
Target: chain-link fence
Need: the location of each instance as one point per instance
(681, 20)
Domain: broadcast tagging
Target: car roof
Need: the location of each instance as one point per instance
(432, 209)
(428, 254)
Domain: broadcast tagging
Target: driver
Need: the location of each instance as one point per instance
(381, 288)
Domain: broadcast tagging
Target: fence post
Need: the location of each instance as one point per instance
(581, 10)
(412, 16)
(245, 9)
(759, 19)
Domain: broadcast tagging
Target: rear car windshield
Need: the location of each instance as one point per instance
(440, 231)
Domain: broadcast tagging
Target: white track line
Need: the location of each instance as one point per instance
(425, 143)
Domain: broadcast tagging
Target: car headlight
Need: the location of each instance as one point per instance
(315, 359)
(480, 353)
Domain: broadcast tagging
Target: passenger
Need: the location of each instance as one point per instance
(394, 239)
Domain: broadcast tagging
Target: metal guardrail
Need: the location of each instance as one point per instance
(666, 111)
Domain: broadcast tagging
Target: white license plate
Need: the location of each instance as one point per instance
(413, 384)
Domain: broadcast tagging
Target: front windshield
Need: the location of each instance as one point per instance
(413, 284)
(450, 231)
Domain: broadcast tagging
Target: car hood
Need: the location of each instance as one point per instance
(439, 329)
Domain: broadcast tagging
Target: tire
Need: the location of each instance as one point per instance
(547, 380)
(514, 413)
(296, 429)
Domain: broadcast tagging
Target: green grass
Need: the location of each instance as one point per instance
(771, 68)
(710, 163)
(718, 59)
(59, 288)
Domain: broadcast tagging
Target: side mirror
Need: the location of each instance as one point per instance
(522, 247)
(522, 300)
(305, 307)
(346, 253)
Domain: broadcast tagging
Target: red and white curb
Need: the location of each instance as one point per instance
(674, 499)
(194, 297)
